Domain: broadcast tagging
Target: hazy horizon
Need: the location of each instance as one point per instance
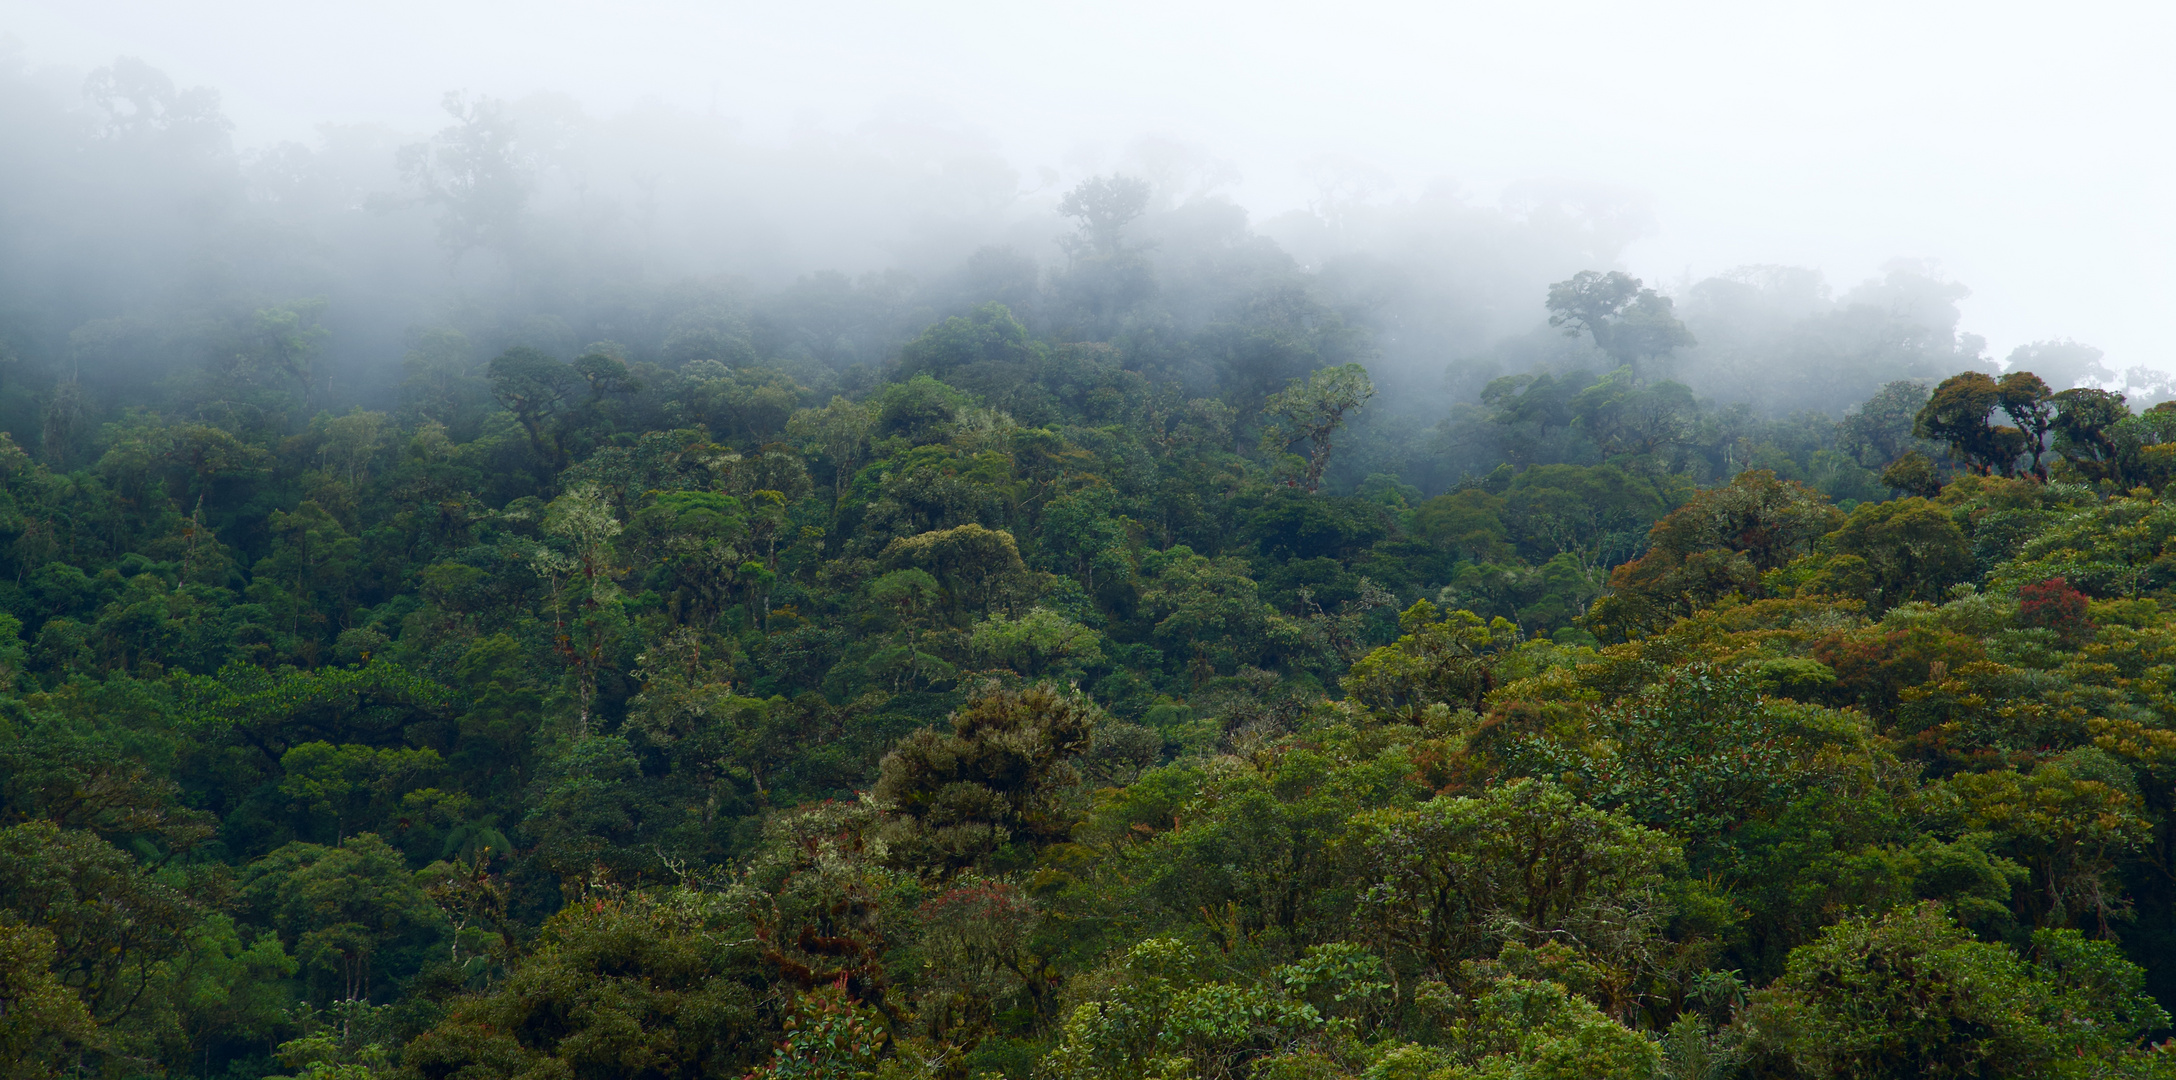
(1997, 144)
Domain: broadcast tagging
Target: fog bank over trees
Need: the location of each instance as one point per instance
(149, 260)
(591, 594)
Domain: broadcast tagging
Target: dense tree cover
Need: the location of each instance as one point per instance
(677, 721)
(1080, 682)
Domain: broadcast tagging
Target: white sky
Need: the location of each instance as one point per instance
(2026, 147)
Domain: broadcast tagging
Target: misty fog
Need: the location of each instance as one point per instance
(147, 245)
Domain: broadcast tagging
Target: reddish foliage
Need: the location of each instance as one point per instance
(2055, 605)
(981, 901)
(1873, 668)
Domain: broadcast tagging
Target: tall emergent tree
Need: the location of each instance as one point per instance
(1103, 206)
(1312, 411)
(1104, 278)
(1960, 414)
(476, 173)
(1626, 319)
(2030, 405)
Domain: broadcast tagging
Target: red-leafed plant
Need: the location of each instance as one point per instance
(2055, 605)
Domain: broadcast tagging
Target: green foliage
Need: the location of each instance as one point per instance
(352, 914)
(1959, 414)
(2068, 828)
(1086, 673)
(1161, 1018)
(1439, 660)
(347, 1040)
(2083, 439)
(1715, 546)
(1458, 879)
(1522, 1029)
(1907, 549)
(827, 1038)
(1626, 320)
(979, 568)
(108, 921)
(2110, 550)
(45, 1026)
(623, 983)
(1251, 856)
(1878, 432)
(920, 410)
(1910, 994)
(1312, 412)
(1700, 751)
(1040, 642)
(998, 779)
(1208, 609)
(740, 404)
(352, 784)
(2143, 452)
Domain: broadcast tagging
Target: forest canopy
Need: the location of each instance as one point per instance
(457, 623)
